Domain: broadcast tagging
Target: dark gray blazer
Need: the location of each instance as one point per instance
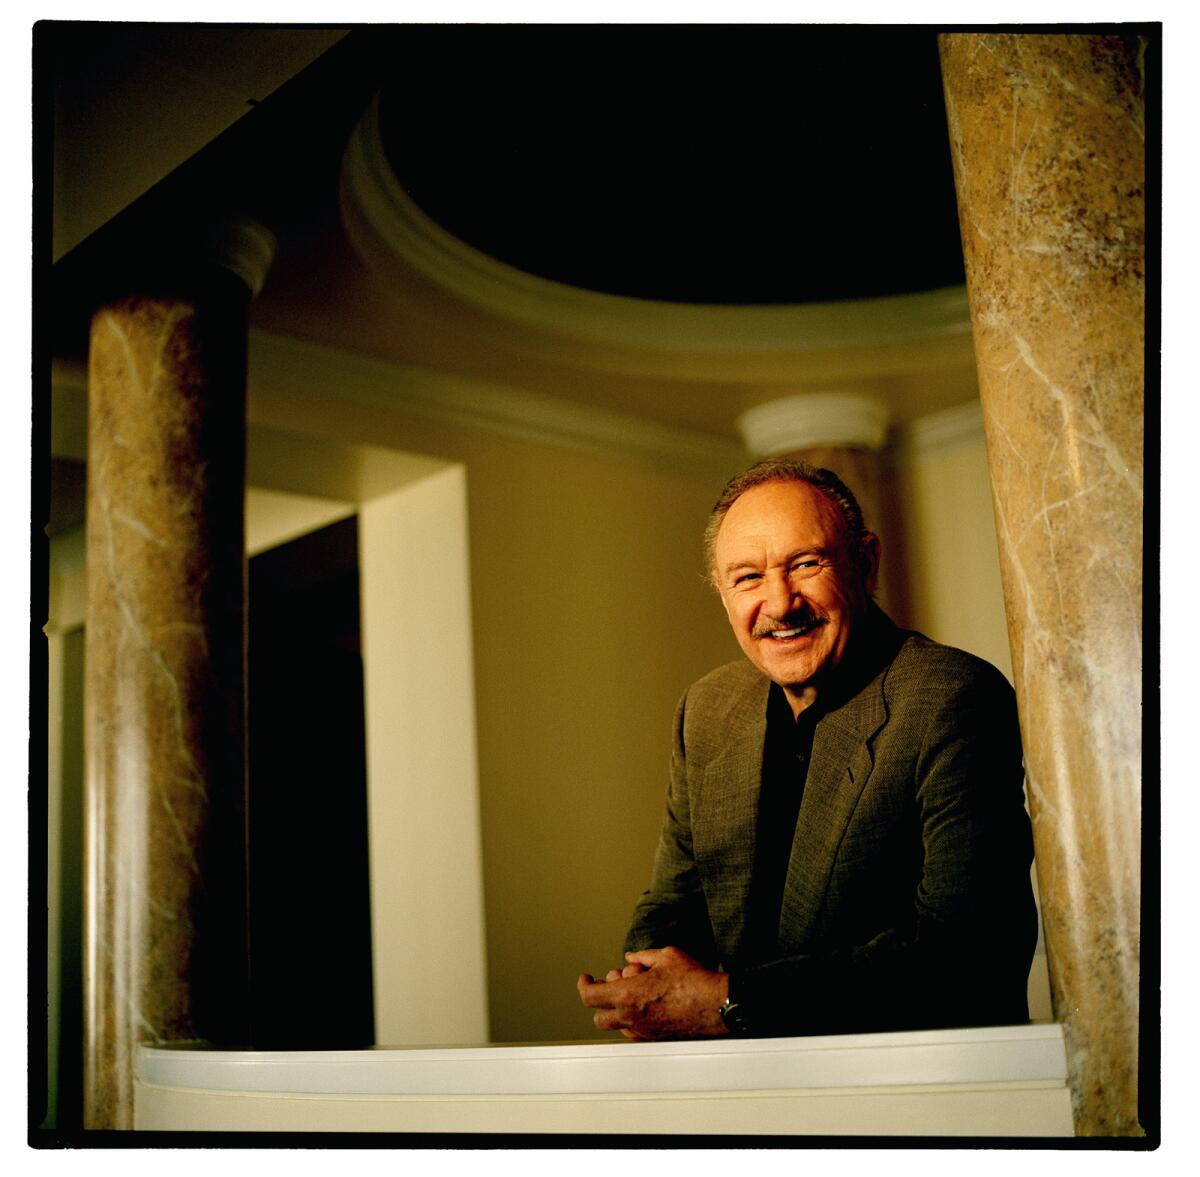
(908, 900)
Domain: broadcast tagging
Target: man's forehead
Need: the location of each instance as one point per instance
(779, 510)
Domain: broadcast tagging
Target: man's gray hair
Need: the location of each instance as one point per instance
(787, 470)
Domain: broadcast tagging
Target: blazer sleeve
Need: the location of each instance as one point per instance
(961, 955)
(673, 911)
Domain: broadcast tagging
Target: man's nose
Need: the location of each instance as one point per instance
(782, 595)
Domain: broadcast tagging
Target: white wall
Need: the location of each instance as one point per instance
(422, 773)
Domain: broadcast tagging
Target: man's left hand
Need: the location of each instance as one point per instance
(670, 995)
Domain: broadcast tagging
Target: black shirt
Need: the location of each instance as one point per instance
(786, 754)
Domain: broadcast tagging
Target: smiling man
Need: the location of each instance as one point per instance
(845, 846)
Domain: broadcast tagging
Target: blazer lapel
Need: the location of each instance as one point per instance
(842, 759)
(724, 818)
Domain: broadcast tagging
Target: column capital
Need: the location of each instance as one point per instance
(245, 247)
(814, 419)
(172, 259)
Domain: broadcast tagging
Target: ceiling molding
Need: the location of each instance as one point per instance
(386, 228)
(377, 386)
(365, 384)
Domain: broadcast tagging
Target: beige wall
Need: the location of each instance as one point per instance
(591, 618)
(953, 568)
(422, 768)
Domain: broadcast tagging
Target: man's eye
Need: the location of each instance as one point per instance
(745, 576)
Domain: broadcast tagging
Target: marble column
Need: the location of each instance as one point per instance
(1048, 141)
(164, 716)
(842, 432)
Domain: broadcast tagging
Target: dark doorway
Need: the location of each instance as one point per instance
(309, 884)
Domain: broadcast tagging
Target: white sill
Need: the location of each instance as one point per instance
(1003, 1054)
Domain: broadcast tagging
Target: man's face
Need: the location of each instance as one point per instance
(792, 589)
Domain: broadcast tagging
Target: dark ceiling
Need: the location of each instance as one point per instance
(745, 164)
(709, 164)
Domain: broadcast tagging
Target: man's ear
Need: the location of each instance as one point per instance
(870, 562)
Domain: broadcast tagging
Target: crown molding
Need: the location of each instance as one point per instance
(386, 227)
(366, 384)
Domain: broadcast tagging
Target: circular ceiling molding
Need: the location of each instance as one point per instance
(712, 174)
(386, 226)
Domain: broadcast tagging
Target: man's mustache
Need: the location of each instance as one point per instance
(802, 621)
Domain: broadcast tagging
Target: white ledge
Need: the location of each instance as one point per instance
(1006, 1054)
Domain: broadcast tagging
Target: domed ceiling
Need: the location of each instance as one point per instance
(705, 164)
(770, 186)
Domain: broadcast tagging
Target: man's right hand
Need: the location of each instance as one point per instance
(630, 970)
(661, 993)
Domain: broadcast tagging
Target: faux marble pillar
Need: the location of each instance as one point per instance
(841, 432)
(165, 923)
(1048, 141)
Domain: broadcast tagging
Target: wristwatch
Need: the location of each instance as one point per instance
(734, 1017)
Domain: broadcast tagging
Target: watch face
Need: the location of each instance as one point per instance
(734, 1017)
